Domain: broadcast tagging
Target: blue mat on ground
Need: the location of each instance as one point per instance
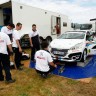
(76, 72)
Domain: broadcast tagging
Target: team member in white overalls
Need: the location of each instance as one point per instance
(44, 62)
(8, 30)
(16, 46)
(34, 41)
(4, 59)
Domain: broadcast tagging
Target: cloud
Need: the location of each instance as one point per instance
(85, 3)
(74, 9)
(75, 12)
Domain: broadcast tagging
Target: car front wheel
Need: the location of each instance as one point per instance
(84, 56)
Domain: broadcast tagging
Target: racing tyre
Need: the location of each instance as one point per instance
(84, 56)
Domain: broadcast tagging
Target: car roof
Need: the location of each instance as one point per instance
(76, 31)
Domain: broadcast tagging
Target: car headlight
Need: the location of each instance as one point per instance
(77, 46)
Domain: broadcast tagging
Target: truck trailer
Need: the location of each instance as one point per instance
(13, 12)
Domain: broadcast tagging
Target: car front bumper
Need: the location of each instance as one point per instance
(74, 57)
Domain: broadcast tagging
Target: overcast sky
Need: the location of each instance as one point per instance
(79, 11)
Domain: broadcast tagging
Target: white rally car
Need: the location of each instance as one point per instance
(71, 46)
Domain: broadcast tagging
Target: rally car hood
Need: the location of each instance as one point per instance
(65, 43)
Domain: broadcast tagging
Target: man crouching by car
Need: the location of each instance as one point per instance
(44, 63)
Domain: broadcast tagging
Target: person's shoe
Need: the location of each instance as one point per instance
(2, 79)
(33, 61)
(11, 63)
(21, 64)
(20, 69)
(10, 81)
(43, 75)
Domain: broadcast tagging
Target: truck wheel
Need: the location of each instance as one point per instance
(84, 56)
(49, 39)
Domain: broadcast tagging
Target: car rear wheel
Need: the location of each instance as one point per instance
(84, 56)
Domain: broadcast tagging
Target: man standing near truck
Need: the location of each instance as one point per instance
(4, 58)
(8, 30)
(16, 46)
(34, 41)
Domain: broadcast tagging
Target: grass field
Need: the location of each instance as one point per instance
(29, 83)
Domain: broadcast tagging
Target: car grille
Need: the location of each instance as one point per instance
(59, 52)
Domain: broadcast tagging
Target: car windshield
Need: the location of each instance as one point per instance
(69, 35)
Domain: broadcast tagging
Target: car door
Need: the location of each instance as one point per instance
(91, 48)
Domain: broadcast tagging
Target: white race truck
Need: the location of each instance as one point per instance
(46, 21)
